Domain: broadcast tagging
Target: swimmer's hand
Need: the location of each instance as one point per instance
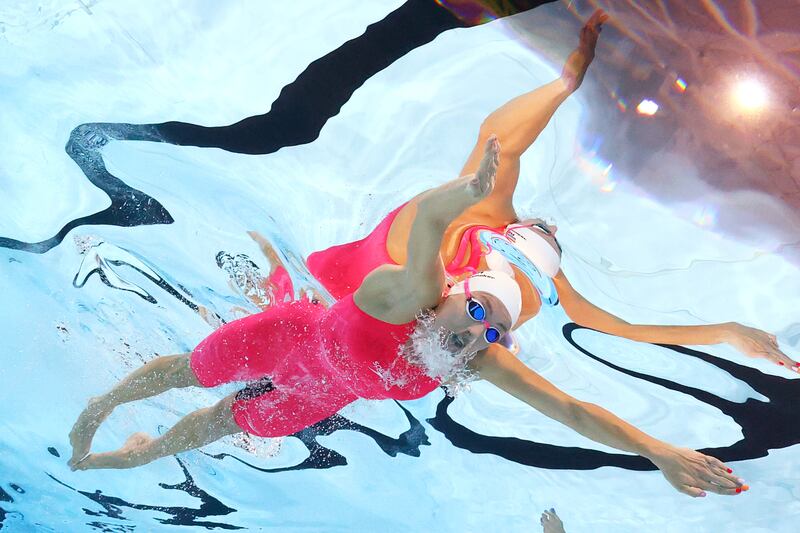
(481, 183)
(753, 342)
(550, 521)
(579, 60)
(693, 473)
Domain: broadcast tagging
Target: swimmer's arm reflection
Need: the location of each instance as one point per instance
(688, 471)
(749, 341)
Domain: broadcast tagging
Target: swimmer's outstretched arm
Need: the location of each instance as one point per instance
(749, 341)
(688, 471)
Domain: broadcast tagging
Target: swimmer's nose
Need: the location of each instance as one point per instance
(476, 330)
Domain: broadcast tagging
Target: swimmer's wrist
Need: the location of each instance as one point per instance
(656, 450)
(724, 332)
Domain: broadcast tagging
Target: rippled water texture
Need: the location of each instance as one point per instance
(110, 242)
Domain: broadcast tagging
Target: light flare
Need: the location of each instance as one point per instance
(705, 216)
(598, 170)
(647, 108)
(750, 95)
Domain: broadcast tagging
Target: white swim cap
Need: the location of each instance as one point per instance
(535, 248)
(498, 284)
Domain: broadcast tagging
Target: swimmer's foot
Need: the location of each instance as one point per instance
(580, 59)
(551, 522)
(210, 317)
(131, 454)
(82, 433)
(266, 248)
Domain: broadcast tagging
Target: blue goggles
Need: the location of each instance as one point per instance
(477, 312)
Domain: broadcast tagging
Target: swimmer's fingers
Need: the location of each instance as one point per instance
(779, 358)
(598, 18)
(493, 149)
(717, 481)
(756, 343)
(716, 478)
(694, 492)
(788, 362)
(726, 472)
(700, 492)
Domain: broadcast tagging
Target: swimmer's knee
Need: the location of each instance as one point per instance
(222, 414)
(180, 372)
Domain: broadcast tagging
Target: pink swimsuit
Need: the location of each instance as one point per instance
(342, 268)
(305, 362)
(317, 359)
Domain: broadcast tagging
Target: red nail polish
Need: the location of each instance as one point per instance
(781, 363)
(730, 471)
(738, 490)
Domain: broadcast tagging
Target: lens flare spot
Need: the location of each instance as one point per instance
(608, 186)
(680, 85)
(598, 170)
(705, 216)
(750, 95)
(647, 108)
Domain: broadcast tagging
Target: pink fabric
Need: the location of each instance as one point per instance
(342, 268)
(318, 359)
(279, 284)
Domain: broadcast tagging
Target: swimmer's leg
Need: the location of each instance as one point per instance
(159, 375)
(519, 122)
(196, 429)
(278, 283)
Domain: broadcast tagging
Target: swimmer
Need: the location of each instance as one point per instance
(304, 362)
(245, 277)
(517, 124)
(551, 523)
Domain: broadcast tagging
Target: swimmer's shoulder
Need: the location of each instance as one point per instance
(388, 293)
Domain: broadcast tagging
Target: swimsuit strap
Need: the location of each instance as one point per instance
(469, 237)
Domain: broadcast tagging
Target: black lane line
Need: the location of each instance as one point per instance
(296, 116)
(765, 425)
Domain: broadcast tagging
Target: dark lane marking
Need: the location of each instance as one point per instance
(295, 117)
